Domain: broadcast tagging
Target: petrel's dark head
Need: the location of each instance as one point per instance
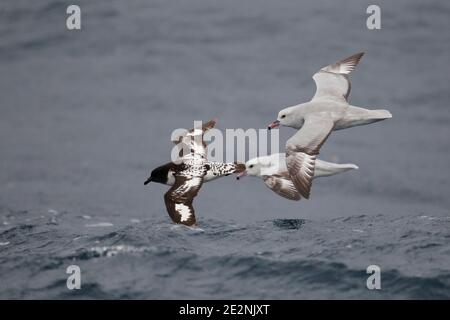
(159, 174)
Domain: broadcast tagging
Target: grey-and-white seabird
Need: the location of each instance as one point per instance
(328, 110)
(273, 171)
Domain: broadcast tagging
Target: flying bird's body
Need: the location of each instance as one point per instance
(343, 115)
(187, 175)
(214, 170)
(327, 111)
(273, 171)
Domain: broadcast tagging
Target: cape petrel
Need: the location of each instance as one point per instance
(187, 175)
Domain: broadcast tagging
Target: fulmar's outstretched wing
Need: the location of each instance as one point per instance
(303, 147)
(332, 82)
(283, 186)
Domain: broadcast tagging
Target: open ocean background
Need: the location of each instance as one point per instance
(85, 115)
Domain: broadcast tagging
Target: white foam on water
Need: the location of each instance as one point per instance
(195, 229)
(111, 251)
(99, 225)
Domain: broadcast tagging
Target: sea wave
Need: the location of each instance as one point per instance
(281, 258)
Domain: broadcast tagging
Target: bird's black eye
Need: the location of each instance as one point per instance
(250, 166)
(283, 116)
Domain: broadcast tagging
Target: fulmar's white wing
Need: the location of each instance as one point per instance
(303, 147)
(283, 186)
(332, 81)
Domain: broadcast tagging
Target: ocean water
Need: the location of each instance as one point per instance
(269, 259)
(85, 115)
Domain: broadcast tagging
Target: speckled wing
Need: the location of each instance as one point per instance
(283, 186)
(192, 141)
(219, 169)
(302, 149)
(179, 199)
(332, 82)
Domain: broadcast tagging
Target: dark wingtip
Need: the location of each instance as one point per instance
(209, 125)
(147, 181)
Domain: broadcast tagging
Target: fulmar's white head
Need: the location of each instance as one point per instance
(289, 117)
(265, 166)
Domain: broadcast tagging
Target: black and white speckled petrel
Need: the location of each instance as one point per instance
(186, 175)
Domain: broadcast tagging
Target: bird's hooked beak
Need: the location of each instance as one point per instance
(147, 181)
(241, 174)
(274, 125)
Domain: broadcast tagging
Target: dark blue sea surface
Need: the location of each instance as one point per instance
(271, 259)
(85, 115)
